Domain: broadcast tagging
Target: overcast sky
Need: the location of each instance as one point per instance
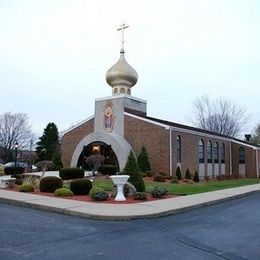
(54, 55)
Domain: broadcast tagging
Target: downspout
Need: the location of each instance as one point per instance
(230, 158)
(257, 162)
(170, 145)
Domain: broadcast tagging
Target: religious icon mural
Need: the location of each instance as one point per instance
(108, 117)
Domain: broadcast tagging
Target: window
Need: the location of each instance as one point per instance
(201, 151)
(241, 155)
(122, 90)
(216, 153)
(115, 90)
(209, 151)
(178, 149)
(222, 153)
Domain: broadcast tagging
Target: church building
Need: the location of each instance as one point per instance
(120, 124)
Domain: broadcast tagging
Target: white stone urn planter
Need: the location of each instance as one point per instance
(120, 181)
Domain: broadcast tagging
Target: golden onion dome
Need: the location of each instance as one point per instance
(121, 76)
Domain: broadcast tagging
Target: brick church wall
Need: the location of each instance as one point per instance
(71, 139)
(155, 139)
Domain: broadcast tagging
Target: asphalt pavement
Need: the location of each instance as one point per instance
(228, 230)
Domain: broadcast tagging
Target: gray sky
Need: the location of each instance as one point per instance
(54, 55)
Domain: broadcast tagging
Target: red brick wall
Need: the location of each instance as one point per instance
(155, 139)
(71, 139)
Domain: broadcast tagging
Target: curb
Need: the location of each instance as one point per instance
(76, 211)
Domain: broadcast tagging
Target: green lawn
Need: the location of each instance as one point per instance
(180, 189)
(189, 189)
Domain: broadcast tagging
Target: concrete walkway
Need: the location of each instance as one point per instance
(104, 211)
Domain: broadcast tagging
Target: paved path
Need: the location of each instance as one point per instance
(228, 230)
(124, 211)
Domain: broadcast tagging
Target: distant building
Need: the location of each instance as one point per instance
(120, 124)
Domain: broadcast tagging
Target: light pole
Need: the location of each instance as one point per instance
(15, 156)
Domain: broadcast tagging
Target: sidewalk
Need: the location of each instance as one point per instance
(103, 211)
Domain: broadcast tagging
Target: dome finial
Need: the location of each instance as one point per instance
(121, 76)
(122, 27)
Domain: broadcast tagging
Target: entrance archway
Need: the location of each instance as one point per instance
(118, 144)
(97, 148)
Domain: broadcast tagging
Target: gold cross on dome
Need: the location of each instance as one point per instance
(122, 27)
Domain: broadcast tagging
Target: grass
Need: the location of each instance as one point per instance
(181, 189)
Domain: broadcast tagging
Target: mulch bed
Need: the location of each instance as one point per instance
(86, 198)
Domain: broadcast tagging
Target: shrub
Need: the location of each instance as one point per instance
(132, 169)
(19, 178)
(98, 194)
(149, 173)
(140, 196)
(196, 177)
(143, 160)
(163, 173)
(26, 187)
(107, 169)
(50, 184)
(178, 173)
(81, 186)
(168, 177)
(175, 180)
(63, 192)
(158, 192)
(159, 178)
(71, 173)
(13, 170)
(187, 174)
(143, 174)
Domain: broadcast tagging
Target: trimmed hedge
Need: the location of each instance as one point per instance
(178, 173)
(159, 178)
(50, 184)
(107, 169)
(81, 186)
(63, 192)
(140, 196)
(196, 177)
(71, 173)
(26, 187)
(13, 170)
(98, 194)
(159, 192)
(188, 175)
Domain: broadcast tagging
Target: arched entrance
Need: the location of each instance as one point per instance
(118, 144)
(97, 148)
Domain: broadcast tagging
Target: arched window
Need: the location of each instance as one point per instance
(209, 151)
(122, 90)
(222, 153)
(115, 90)
(216, 153)
(241, 155)
(201, 151)
(178, 152)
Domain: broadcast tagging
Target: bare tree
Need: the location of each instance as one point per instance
(94, 161)
(220, 116)
(14, 128)
(256, 136)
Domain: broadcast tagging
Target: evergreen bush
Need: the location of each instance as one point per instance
(71, 173)
(143, 160)
(159, 178)
(13, 170)
(132, 169)
(107, 169)
(50, 184)
(158, 192)
(175, 180)
(98, 194)
(81, 186)
(63, 192)
(196, 177)
(188, 174)
(26, 187)
(140, 196)
(178, 173)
